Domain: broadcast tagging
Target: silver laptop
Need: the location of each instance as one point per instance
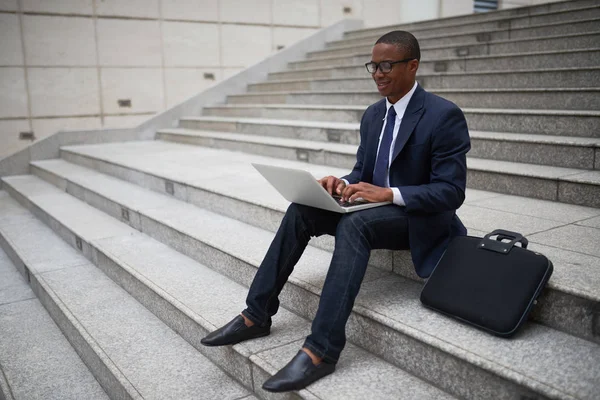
(299, 186)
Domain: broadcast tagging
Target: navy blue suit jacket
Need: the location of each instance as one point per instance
(428, 166)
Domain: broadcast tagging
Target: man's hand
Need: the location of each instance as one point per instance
(333, 185)
(368, 192)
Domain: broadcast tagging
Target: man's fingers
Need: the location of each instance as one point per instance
(340, 187)
(330, 184)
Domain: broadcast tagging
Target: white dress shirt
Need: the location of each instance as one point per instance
(400, 107)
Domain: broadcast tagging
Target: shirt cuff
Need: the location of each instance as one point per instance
(345, 181)
(398, 200)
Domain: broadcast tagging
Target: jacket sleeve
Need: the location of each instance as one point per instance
(446, 189)
(355, 175)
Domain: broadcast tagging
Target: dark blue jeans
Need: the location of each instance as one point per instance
(355, 234)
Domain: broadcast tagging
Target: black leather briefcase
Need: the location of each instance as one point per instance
(488, 282)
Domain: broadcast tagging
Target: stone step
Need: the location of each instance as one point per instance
(565, 27)
(429, 341)
(559, 42)
(540, 98)
(36, 360)
(542, 122)
(506, 62)
(546, 78)
(233, 192)
(543, 149)
(129, 350)
(512, 22)
(566, 185)
(194, 300)
(555, 7)
(432, 64)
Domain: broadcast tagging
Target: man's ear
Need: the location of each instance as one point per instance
(414, 65)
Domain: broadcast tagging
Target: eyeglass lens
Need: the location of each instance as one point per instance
(383, 66)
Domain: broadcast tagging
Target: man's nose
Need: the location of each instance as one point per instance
(378, 73)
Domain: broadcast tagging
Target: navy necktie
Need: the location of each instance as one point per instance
(383, 158)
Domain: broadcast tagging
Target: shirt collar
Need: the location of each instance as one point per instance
(401, 105)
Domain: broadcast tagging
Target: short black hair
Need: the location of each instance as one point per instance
(404, 41)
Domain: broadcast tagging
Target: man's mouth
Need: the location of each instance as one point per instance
(382, 84)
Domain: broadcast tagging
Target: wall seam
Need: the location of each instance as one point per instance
(25, 71)
(220, 40)
(162, 55)
(98, 68)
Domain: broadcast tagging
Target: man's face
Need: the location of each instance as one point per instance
(396, 83)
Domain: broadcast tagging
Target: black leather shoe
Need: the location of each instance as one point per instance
(297, 374)
(234, 332)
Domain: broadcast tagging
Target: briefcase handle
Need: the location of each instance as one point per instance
(498, 245)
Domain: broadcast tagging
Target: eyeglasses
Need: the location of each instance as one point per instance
(384, 66)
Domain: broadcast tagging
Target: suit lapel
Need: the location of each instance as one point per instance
(411, 117)
(373, 141)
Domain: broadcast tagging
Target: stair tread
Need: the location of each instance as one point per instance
(440, 59)
(393, 301)
(211, 299)
(37, 360)
(288, 122)
(423, 23)
(152, 360)
(243, 182)
(514, 167)
(432, 90)
(342, 42)
(474, 43)
(349, 107)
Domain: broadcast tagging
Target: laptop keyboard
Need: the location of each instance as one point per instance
(347, 203)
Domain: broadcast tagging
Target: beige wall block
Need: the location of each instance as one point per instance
(8, 5)
(229, 72)
(191, 44)
(451, 8)
(143, 86)
(183, 83)
(381, 13)
(256, 11)
(67, 41)
(427, 9)
(59, 6)
(11, 50)
(129, 42)
(244, 45)
(128, 121)
(49, 126)
(294, 12)
(205, 10)
(129, 8)
(287, 36)
(522, 3)
(9, 136)
(332, 11)
(13, 95)
(63, 91)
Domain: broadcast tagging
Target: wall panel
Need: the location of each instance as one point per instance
(63, 91)
(129, 42)
(65, 41)
(11, 49)
(191, 44)
(13, 95)
(143, 87)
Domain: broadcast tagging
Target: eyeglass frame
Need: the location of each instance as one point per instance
(390, 62)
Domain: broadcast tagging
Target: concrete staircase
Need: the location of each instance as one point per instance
(136, 250)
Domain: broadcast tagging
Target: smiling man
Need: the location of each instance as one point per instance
(412, 153)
